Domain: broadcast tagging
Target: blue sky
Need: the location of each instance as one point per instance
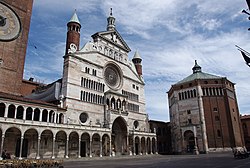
(169, 35)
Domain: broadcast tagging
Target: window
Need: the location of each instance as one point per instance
(218, 133)
(217, 118)
(189, 121)
(136, 124)
(215, 109)
(188, 112)
(133, 86)
(83, 117)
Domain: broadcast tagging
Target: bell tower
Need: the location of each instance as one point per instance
(73, 34)
(137, 62)
(15, 18)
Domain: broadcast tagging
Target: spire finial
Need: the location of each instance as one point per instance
(196, 67)
(111, 12)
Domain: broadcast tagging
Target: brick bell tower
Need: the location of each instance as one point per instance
(15, 18)
(73, 35)
(137, 62)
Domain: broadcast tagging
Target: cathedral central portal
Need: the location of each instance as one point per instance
(119, 136)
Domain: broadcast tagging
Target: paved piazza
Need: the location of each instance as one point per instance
(212, 160)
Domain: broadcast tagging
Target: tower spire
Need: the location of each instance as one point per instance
(73, 34)
(137, 62)
(111, 21)
(196, 67)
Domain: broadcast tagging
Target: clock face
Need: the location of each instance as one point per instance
(10, 25)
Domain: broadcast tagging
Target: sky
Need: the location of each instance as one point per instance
(169, 35)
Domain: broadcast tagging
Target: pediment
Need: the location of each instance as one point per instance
(112, 37)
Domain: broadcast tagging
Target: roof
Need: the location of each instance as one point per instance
(245, 117)
(137, 55)
(74, 18)
(198, 74)
(24, 99)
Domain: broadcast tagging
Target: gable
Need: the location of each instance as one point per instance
(112, 37)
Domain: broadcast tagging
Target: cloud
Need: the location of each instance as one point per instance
(169, 35)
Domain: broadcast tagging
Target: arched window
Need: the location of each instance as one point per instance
(194, 92)
(44, 115)
(51, 116)
(20, 111)
(2, 109)
(61, 118)
(29, 113)
(81, 81)
(11, 111)
(113, 103)
(36, 114)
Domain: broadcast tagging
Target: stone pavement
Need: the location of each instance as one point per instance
(211, 160)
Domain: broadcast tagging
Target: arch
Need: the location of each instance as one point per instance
(119, 136)
(61, 118)
(113, 103)
(31, 138)
(46, 144)
(11, 111)
(154, 149)
(29, 111)
(13, 134)
(96, 145)
(143, 145)
(51, 116)
(137, 146)
(149, 146)
(45, 115)
(189, 141)
(73, 144)
(106, 145)
(36, 114)
(85, 147)
(2, 109)
(60, 144)
(19, 112)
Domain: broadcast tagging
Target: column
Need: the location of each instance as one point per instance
(21, 148)
(79, 148)
(110, 146)
(140, 153)
(24, 113)
(15, 113)
(90, 147)
(100, 147)
(67, 148)
(54, 117)
(156, 148)
(41, 114)
(3, 137)
(146, 146)
(32, 118)
(53, 147)
(151, 146)
(127, 145)
(134, 146)
(38, 147)
(6, 111)
(48, 116)
(202, 119)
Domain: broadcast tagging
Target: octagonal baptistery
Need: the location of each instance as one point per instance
(104, 90)
(204, 114)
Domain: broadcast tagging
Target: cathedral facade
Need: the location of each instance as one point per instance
(204, 114)
(97, 108)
